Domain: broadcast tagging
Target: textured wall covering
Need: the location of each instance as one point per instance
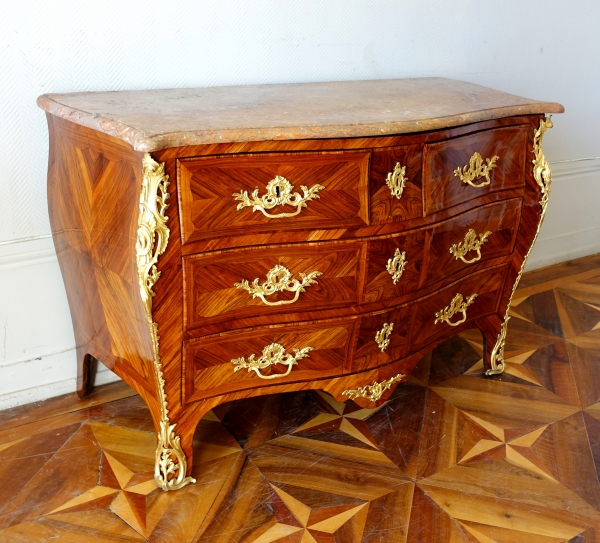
(543, 49)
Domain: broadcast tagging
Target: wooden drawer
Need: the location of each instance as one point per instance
(330, 272)
(386, 280)
(487, 287)
(425, 253)
(442, 184)
(308, 351)
(208, 369)
(500, 221)
(382, 338)
(397, 168)
(337, 197)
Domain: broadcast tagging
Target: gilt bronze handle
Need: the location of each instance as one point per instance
(477, 168)
(471, 243)
(279, 279)
(272, 354)
(279, 193)
(372, 392)
(457, 305)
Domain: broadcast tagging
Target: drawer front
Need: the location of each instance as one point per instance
(394, 266)
(482, 234)
(470, 298)
(271, 280)
(233, 194)
(263, 357)
(461, 169)
(382, 338)
(401, 264)
(396, 183)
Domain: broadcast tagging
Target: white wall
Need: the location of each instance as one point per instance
(544, 49)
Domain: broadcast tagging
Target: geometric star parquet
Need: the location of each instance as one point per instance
(453, 456)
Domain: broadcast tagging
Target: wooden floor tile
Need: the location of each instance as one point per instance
(451, 457)
(69, 403)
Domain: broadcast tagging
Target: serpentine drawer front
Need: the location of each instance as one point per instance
(243, 284)
(263, 192)
(477, 236)
(433, 254)
(264, 357)
(395, 183)
(326, 236)
(468, 167)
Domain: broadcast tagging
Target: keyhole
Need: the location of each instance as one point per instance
(277, 191)
(397, 265)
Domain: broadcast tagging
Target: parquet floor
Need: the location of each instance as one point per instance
(452, 457)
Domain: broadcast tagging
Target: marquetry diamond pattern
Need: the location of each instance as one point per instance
(452, 456)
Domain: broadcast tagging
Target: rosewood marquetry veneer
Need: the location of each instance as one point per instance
(222, 243)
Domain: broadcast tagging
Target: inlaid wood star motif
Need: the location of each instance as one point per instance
(337, 523)
(346, 417)
(501, 443)
(452, 456)
(123, 490)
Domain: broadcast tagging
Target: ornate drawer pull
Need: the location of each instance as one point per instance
(396, 180)
(471, 243)
(279, 192)
(382, 338)
(395, 266)
(372, 392)
(457, 305)
(271, 355)
(279, 279)
(477, 169)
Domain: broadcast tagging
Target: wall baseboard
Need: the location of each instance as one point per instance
(566, 247)
(37, 347)
(571, 228)
(47, 390)
(37, 353)
(26, 253)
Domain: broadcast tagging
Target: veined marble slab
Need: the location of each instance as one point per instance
(150, 120)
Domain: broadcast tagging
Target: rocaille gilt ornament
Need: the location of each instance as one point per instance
(373, 392)
(396, 180)
(457, 305)
(272, 355)
(471, 243)
(152, 238)
(396, 264)
(543, 177)
(279, 279)
(476, 169)
(279, 193)
(382, 337)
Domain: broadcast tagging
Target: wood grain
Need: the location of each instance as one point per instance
(442, 188)
(501, 220)
(199, 311)
(93, 190)
(451, 456)
(207, 363)
(384, 206)
(207, 185)
(211, 296)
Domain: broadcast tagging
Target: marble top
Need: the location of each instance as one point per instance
(150, 120)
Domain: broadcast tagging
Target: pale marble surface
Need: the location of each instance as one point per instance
(150, 120)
